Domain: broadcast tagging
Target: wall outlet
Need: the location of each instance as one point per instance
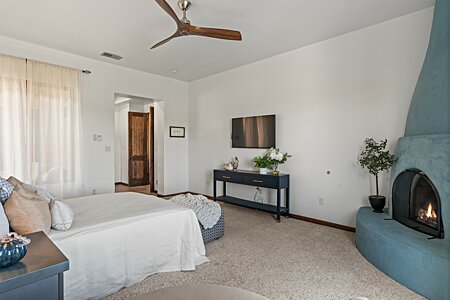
(108, 149)
(321, 201)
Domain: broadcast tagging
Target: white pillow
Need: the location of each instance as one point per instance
(4, 224)
(62, 215)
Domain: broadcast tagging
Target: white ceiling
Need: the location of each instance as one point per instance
(130, 28)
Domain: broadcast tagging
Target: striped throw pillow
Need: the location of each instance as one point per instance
(6, 189)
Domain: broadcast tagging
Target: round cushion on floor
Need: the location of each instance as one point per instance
(200, 292)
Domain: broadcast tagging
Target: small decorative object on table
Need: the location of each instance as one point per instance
(235, 163)
(277, 157)
(376, 159)
(13, 248)
(228, 166)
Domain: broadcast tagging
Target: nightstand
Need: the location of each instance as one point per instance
(39, 275)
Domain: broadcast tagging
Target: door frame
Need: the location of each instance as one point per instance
(149, 168)
(151, 149)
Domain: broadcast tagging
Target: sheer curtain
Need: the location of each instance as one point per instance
(13, 136)
(48, 152)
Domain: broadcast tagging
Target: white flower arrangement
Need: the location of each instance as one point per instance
(277, 156)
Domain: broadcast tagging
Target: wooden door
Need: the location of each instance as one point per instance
(138, 166)
(151, 149)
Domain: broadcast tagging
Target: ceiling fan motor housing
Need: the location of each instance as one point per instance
(184, 5)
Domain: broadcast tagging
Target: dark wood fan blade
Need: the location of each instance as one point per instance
(164, 5)
(217, 33)
(176, 34)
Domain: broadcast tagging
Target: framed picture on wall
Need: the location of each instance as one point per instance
(177, 132)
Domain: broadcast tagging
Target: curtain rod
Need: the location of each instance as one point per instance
(83, 71)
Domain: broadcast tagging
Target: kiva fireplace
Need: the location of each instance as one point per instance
(416, 203)
(408, 243)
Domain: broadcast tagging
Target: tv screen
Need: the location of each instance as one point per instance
(253, 132)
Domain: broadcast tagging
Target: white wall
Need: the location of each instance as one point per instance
(159, 146)
(327, 97)
(98, 112)
(121, 142)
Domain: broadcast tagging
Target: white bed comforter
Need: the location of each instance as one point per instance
(117, 240)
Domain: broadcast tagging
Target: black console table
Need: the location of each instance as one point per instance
(39, 275)
(252, 178)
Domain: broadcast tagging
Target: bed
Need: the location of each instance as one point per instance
(117, 240)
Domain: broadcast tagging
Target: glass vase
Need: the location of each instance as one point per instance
(275, 171)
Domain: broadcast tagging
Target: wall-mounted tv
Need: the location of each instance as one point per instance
(253, 132)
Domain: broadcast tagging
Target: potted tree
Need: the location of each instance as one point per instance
(263, 163)
(376, 159)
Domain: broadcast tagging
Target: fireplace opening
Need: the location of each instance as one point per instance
(416, 203)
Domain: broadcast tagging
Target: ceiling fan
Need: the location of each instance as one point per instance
(185, 28)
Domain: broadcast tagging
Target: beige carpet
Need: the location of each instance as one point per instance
(288, 260)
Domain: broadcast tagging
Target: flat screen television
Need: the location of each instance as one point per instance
(253, 132)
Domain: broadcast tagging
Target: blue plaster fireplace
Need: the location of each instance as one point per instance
(411, 241)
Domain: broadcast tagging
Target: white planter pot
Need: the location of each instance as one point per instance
(262, 170)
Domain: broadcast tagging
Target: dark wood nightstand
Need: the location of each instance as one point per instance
(39, 275)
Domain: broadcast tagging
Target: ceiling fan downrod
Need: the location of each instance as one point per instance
(184, 5)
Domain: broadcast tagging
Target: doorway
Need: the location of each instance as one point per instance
(139, 142)
(134, 144)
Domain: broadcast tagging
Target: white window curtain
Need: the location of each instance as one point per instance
(45, 146)
(13, 157)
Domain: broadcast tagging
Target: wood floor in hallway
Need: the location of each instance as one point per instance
(144, 189)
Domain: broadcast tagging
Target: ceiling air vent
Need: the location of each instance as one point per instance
(111, 55)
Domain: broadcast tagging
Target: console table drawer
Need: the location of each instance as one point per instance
(262, 181)
(228, 177)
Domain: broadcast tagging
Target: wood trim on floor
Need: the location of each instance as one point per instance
(293, 216)
(321, 222)
(176, 194)
(172, 195)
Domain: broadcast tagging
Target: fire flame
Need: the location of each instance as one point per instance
(430, 212)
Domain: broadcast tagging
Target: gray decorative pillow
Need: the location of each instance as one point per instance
(40, 191)
(62, 215)
(6, 189)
